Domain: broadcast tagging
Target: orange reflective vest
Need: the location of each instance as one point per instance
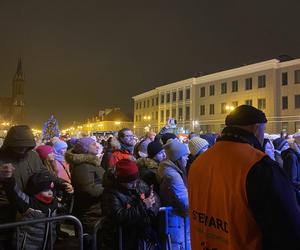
(220, 218)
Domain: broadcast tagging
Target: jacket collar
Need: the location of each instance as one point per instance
(240, 135)
(75, 159)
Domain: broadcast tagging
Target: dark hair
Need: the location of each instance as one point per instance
(121, 133)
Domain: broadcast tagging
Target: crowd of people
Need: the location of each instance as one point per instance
(239, 189)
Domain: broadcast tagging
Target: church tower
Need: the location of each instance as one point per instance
(17, 108)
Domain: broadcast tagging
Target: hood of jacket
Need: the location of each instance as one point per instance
(76, 159)
(146, 163)
(165, 166)
(19, 136)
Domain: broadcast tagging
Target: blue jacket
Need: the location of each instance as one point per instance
(173, 192)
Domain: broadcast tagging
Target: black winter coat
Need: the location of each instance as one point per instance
(291, 165)
(124, 208)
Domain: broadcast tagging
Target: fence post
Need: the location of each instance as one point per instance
(166, 211)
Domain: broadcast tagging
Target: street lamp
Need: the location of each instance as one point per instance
(229, 107)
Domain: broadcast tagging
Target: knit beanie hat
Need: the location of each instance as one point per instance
(73, 140)
(142, 148)
(43, 151)
(210, 138)
(165, 137)
(82, 145)
(39, 182)
(126, 171)
(196, 145)
(175, 149)
(154, 148)
(279, 143)
(59, 145)
(245, 115)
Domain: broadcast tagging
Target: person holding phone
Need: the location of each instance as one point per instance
(18, 159)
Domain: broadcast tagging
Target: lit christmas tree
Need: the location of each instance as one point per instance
(51, 128)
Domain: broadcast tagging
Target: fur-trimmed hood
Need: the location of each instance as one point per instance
(75, 159)
(147, 163)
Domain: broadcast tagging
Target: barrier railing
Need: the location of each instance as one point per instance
(168, 243)
(45, 220)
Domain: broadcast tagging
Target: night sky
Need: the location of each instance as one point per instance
(81, 56)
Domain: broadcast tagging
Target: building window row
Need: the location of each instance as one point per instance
(285, 77)
(165, 114)
(261, 83)
(225, 108)
(285, 102)
(146, 103)
(166, 98)
(146, 118)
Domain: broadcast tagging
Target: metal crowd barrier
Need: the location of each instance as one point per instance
(50, 219)
(98, 226)
(168, 243)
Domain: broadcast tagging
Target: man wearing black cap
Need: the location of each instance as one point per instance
(239, 198)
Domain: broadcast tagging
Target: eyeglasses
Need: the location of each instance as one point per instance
(129, 136)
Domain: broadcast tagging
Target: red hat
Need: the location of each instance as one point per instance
(44, 151)
(126, 170)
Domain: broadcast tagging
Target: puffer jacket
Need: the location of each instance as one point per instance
(173, 192)
(123, 208)
(35, 236)
(86, 178)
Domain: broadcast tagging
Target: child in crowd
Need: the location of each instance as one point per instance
(38, 202)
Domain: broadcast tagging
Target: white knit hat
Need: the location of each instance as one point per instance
(197, 144)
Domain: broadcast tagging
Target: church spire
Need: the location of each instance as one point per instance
(19, 74)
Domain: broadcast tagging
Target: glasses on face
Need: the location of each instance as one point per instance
(128, 136)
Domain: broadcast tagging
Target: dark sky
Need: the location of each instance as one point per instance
(81, 56)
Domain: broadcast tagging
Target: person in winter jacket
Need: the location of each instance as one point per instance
(62, 167)
(129, 207)
(86, 177)
(127, 142)
(239, 198)
(148, 167)
(38, 202)
(290, 162)
(46, 154)
(17, 152)
(113, 144)
(280, 145)
(173, 191)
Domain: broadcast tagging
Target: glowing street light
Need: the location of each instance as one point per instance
(229, 107)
